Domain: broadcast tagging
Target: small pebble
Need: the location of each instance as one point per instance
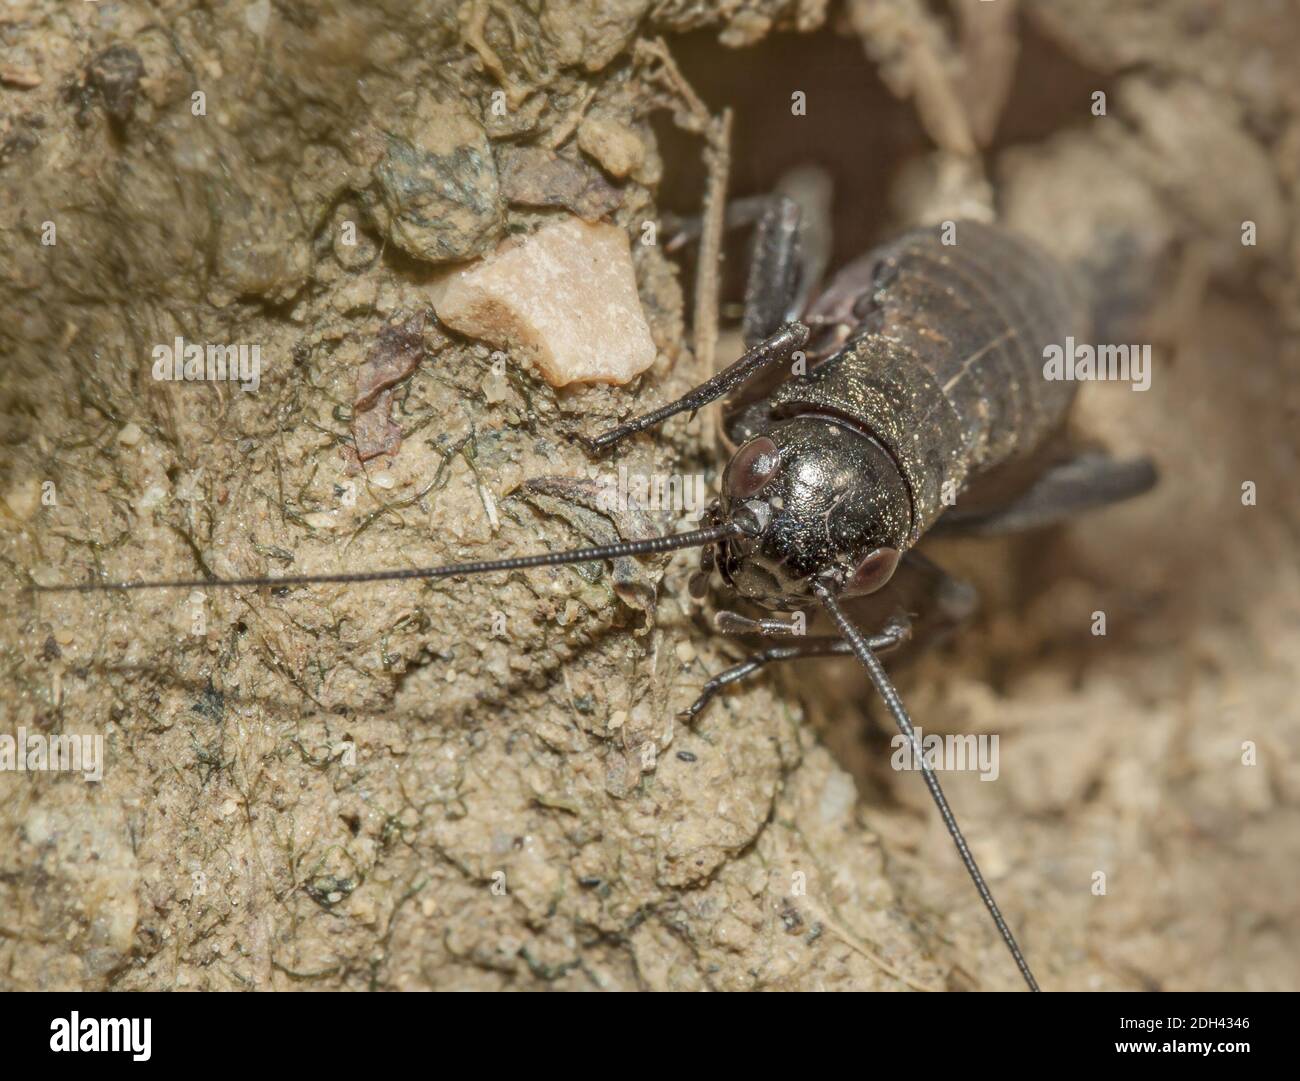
(563, 298)
(614, 145)
(23, 498)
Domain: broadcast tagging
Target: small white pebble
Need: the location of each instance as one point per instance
(383, 480)
(685, 652)
(617, 720)
(563, 299)
(130, 435)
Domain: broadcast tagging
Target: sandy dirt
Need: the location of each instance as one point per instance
(484, 784)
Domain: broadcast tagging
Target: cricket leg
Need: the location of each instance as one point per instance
(778, 280)
(790, 250)
(1084, 483)
(894, 633)
(698, 585)
(683, 229)
(773, 288)
(775, 348)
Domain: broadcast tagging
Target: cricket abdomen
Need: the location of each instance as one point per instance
(944, 363)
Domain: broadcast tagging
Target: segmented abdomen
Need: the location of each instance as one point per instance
(945, 362)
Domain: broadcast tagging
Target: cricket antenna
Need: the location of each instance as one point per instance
(895, 706)
(669, 543)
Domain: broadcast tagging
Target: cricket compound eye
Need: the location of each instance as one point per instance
(873, 573)
(752, 467)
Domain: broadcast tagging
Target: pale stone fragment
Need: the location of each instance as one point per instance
(24, 498)
(564, 297)
(616, 146)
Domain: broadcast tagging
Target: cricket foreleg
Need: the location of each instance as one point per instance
(775, 348)
(895, 632)
(1084, 483)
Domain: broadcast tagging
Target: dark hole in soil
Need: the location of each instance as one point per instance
(768, 139)
(1051, 91)
(853, 127)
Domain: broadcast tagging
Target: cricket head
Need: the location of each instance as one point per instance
(812, 499)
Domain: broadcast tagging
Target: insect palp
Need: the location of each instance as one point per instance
(733, 623)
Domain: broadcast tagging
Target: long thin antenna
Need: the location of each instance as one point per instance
(895, 706)
(669, 543)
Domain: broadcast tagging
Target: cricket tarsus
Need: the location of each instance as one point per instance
(668, 543)
(862, 650)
